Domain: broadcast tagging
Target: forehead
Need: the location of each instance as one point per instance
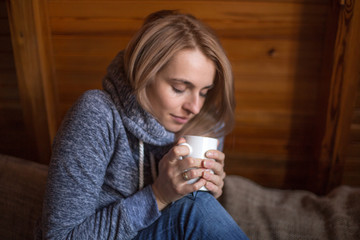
(190, 65)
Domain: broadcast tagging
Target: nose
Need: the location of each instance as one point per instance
(193, 104)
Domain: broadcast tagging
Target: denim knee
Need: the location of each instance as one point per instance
(201, 216)
(196, 216)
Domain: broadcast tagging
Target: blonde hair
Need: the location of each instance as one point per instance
(162, 35)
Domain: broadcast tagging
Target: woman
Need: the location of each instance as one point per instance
(115, 171)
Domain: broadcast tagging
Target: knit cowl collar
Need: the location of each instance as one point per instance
(136, 120)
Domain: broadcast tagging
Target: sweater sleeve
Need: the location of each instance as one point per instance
(81, 152)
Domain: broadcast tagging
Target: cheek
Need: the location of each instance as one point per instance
(168, 99)
(171, 103)
(202, 102)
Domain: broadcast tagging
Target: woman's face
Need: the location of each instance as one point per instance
(179, 90)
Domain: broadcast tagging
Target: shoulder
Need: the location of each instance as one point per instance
(94, 103)
(94, 99)
(93, 110)
(92, 120)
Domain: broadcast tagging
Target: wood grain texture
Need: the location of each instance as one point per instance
(13, 136)
(343, 85)
(292, 71)
(351, 169)
(29, 38)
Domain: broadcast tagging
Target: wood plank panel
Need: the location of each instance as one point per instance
(275, 48)
(229, 18)
(228, 10)
(28, 25)
(13, 137)
(341, 82)
(269, 170)
(351, 175)
(70, 57)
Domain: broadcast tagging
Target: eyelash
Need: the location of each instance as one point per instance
(203, 95)
(181, 91)
(177, 90)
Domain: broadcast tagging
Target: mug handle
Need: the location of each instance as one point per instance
(190, 148)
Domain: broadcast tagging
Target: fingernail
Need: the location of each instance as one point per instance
(209, 154)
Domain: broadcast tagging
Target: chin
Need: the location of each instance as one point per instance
(173, 128)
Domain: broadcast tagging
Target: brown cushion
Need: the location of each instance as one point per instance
(22, 185)
(261, 212)
(265, 213)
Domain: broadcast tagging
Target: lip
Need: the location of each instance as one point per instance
(180, 120)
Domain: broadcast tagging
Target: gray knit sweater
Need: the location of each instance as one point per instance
(101, 169)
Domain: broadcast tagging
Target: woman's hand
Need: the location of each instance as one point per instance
(214, 181)
(171, 184)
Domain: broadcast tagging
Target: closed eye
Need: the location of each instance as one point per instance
(205, 91)
(204, 95)
(179, 86)
(177, 90)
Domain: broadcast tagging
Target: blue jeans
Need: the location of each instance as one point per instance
(196, 216)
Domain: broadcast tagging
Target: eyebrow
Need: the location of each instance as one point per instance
(190, 84)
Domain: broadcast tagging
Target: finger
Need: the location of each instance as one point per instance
(217, 167)
(216, 155)
(213, 178)
(194, 186)
(214, 183)
(214, 189)
(192, 174)
(181, 140)
(178, 152)
(190, 163)
(184, 187)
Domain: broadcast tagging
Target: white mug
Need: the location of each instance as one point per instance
(198, 146)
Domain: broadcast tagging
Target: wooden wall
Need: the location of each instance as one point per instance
(289, 58)
(351, 172)
(14, 139)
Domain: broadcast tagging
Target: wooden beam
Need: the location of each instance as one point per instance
(33, 60)
(341, 79)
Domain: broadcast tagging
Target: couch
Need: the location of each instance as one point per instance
(262, 213)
